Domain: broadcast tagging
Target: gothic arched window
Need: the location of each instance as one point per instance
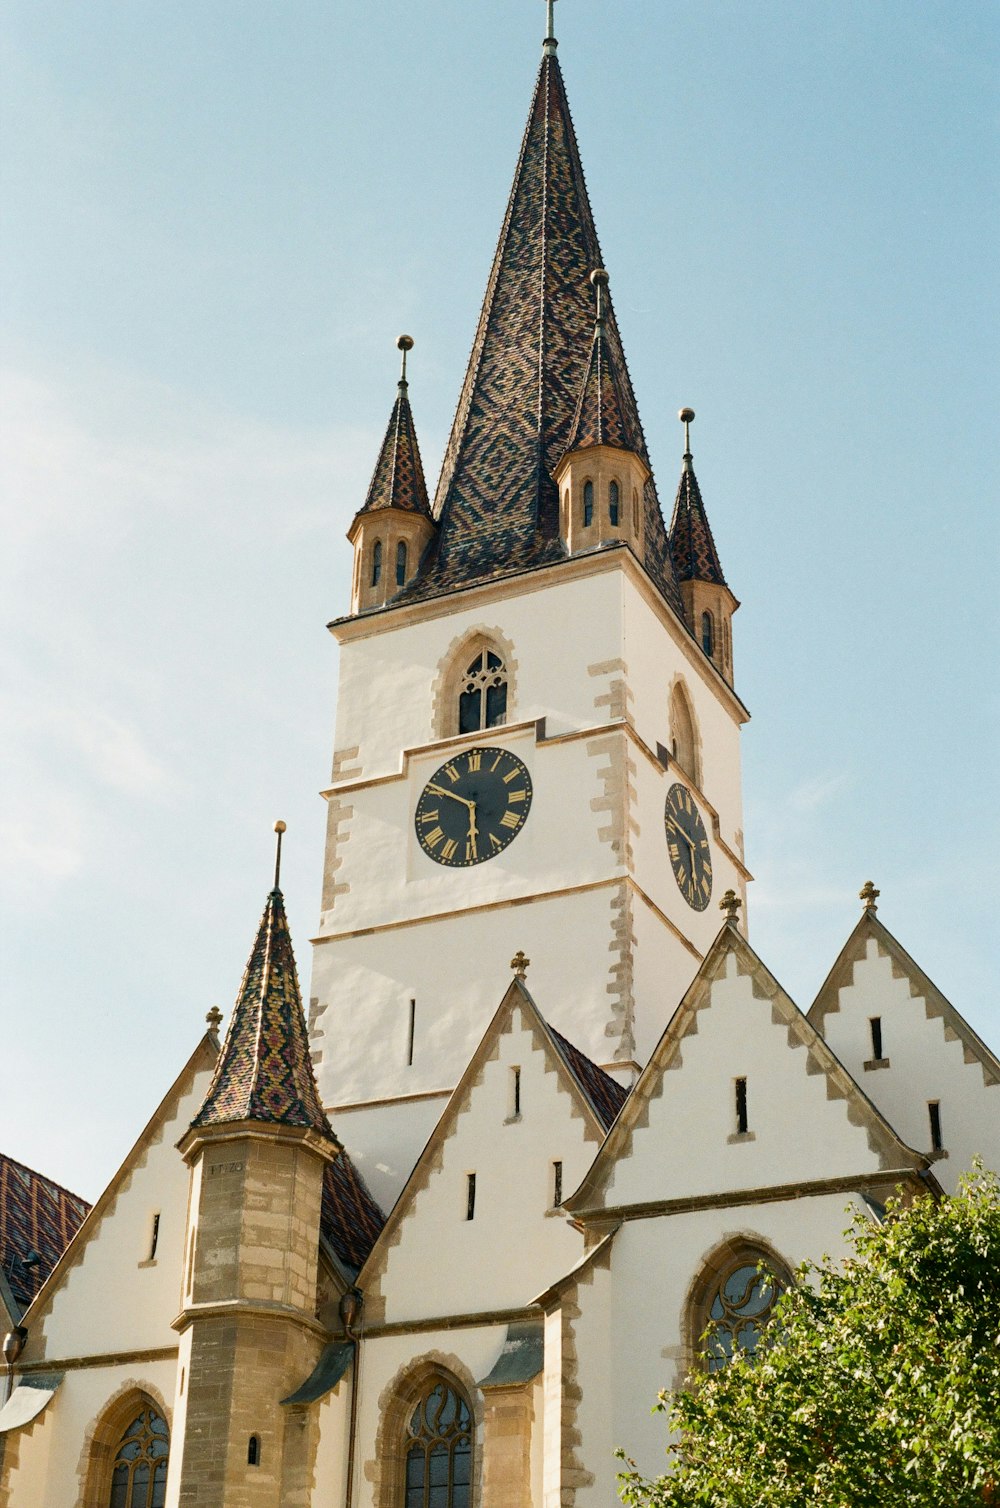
(614, 504)
(707, 634)
(683, 733)
(588, 504)
(482, 700)
(439, 1449)
(377, 563)
(739, 1309)
(635, 509)
(139, 1473)
(401, 563)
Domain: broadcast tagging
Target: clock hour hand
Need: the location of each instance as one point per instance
(439, 790)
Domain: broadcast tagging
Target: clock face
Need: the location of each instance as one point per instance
(472, 807)
(687, 844)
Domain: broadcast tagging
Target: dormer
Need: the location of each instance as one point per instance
(709, 605)
(392, 530)
(601, 477)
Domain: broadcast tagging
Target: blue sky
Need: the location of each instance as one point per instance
(217, 218)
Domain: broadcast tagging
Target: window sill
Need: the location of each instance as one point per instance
(149, 1262)
(512, 1120)
(873, 1063)
(938, 1155)
(739, 1136)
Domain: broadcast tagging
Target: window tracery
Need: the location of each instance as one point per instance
(739, 1312)
(482, 699)
(438, 1470)
(139, 1473)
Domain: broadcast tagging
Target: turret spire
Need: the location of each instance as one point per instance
(550, 44)
(691, 543)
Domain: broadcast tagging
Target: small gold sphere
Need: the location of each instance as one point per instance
(686, 415)
(280, 827)
(405, 343)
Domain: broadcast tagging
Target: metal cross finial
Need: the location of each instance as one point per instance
(519, 964)
(550, 44)
(686, 416)
(279, 828)
(869, 895)
(404, 344)
(214, 1018)
(731, 904)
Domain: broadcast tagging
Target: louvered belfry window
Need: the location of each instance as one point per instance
(439, 1449)
(482, 701)
(139, 1476)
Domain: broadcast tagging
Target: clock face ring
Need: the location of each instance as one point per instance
(473, 807)
(688, 847)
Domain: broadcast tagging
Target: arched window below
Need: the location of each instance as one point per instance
(482, 701)
(253, 1451)
(707, 634)
(377, 563)
(139, 1474)
(588, 504)
(614, 504)
(439, 1449)
(683, 734)
(401, 563)
(740, 1307)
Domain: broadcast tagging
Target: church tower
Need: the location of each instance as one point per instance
(537, 747)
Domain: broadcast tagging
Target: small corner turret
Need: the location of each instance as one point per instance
(394, 526)
(602, 475)
(709, 605)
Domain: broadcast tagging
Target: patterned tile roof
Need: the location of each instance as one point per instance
(602, 416)
(605, 1094)
(350, 1220)
(398, 479)
(38, 1219)
(496, 503)
(264, 1072)
(691, 544)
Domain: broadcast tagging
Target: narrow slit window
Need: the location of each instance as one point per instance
(377, 563)
(401, 563)
(934, 1111)
(470, 1197)
(253, 1451)
(707, 634)
(154, 1236)
(515, 1091)
(742, 1122)
(557, 1195)
(635, 510)
(876, 1025)
(614, 504)
(588, 504)
(410, 1033)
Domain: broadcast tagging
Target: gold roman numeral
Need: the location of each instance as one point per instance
(450, 849)
(496, 842)
(517, 796)
(428, 816)
(451, 771)
(512, 775)
(474, 760)
(496, 761)
(434, 838)
(509, 819)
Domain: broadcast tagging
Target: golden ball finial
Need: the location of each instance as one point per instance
(280, 827)
(686, 415)
(404, 343)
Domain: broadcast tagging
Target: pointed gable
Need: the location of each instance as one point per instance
(398, 478)
(602, 414)
(678, 1136)
(509, 1139)
(692, 546)
(496, 504)
(265, 1072)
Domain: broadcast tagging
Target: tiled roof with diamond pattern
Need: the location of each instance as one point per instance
(38, 1219)
(496, 503)
(691, 544)
(265, 1072)
(605, 1094)
(398, 479)
(602, 414)
(350, 1219)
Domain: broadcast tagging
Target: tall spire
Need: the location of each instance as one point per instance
(602, 413)
(691, 544)
(264, 1072)
(497, 505)
(398, 479)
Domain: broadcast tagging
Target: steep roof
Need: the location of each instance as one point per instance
(38, 1219)
(605, 1094)
(398, 478)
(265, 1072)
(602, 414)
(691, 544)
(350, 1219)
(496, 503)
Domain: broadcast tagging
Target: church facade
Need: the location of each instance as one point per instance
(438, 1238)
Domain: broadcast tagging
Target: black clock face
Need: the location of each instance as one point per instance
(472, 807)
(687, 844)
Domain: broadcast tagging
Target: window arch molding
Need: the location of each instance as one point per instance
(387, 1472)
(685, 735)
(104, 1435)
(740, 1249)
(452, 669)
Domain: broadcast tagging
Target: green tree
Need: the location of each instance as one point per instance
(880, 1384)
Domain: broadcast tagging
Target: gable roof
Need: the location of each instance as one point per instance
(496, 503)
(692, 546)
(265, 1071)
(936, 1004)
(398, 478)
(605, 1094)
(883, 1140)
(38, 1219)
(350, 1219)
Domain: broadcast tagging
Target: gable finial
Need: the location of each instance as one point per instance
(731, 904)
(869, 895)
(600, 280)
(550, 44)
(279, 828)
(519, 964)
(214, 1019)
(686, 416)
(404, 344)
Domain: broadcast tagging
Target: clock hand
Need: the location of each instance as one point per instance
(439, 790)
(473, 829)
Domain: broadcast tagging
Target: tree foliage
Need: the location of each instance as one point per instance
(880, 1384)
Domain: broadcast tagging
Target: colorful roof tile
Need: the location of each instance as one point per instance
(350, 1219)
(398, 479)
(602, 416)
(38, 1219)
(691, 544)
(265, 1072)
(605, 1094)
(496, 503)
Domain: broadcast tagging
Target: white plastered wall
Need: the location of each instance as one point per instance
(926, 1062)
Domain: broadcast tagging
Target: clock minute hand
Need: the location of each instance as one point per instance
(439, 790)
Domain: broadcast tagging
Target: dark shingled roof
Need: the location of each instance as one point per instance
(350, 1220)
(605, 1094)
(38, 1218)
(265, 1072)
(496, 504)
(398, 479)
(602, 416)
(691, 544)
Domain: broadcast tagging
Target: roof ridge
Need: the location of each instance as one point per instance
(44, 1177)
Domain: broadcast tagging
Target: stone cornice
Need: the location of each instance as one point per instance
(767, 1194)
